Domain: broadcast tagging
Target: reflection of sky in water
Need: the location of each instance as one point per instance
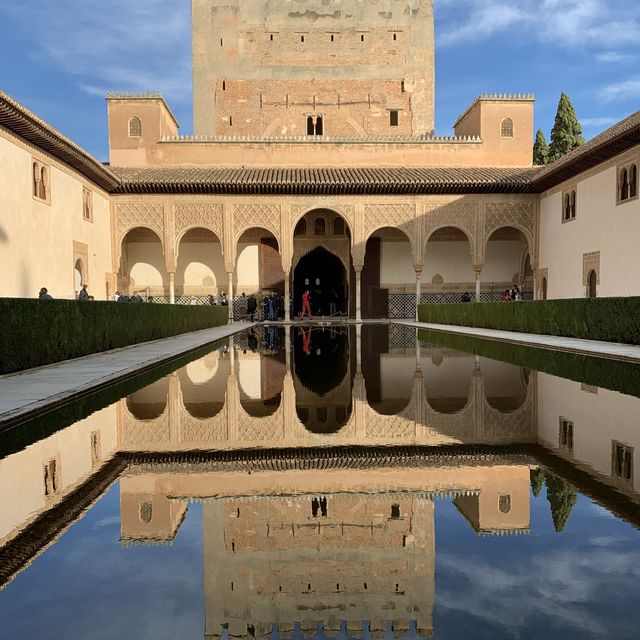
(88, 586)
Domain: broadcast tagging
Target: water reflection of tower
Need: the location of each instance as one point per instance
(281, 560)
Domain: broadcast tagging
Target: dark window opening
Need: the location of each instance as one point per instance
(310, 127)
(622, 464)
(566, 434)
(504, 503)
(301, 38)
(338, 227)
(394, 118)
(320, 228)
(395, 36)
(230, 121)
(362, 38)
(319, 129)
(220, 41)
(224, 85)
(271, 37)
(633, 181)
(395, 511)
(402, 86)
(301, 228)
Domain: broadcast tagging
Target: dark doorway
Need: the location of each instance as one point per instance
(593, 284)
(325, 277)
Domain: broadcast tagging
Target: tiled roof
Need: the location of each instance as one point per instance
(615, 140)
(19, 120)
(347, 181)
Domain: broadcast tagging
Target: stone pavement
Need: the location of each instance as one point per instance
(29, 393)
(595, 348)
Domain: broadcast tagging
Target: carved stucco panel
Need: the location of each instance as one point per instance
(519, 215)
(248, 216)
(400, 216)
(460, 215)
(207, 216)
(130, 215)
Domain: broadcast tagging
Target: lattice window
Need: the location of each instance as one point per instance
(504, 503)
(569, 205)
(135, 128)
(301, 228)
(320, 226)
(146, 511)
(338, 227)
(565, 435)
(506, 128)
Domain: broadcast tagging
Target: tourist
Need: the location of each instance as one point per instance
(223, 299)
(333, 302)
(251, 308)
(517, 293)
(44, 294)
(466, 297)
(193, 301)
(84, 294)
(116, 296)
(212, 300)
(150, 299)
(505, 296)
(306, 305)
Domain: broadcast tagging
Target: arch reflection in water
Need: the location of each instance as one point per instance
(151, 402)
(260, 367)
(203, 385)
(323, 374)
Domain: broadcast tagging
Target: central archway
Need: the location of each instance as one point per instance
(324, 275)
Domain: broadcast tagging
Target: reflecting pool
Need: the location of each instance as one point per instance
(331, 482)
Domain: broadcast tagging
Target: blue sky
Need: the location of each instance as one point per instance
(60, 58)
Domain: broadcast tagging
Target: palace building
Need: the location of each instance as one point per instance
(314, 165)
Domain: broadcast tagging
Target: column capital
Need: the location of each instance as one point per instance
(478, 268)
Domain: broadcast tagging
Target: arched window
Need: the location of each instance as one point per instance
(320, 226)
(624, 185)
(310, 127)
(569, 205)
(319, 126)
(135, 128)
(301, 228)
(506, 128)
(36, 180)
(44, 183)
(504, 503)
(338, 227)
(633, 181)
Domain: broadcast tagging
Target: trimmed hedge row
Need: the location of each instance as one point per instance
(39, 332)
(616, 375)
(608, 319)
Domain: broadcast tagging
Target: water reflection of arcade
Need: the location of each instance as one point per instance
(283, 398)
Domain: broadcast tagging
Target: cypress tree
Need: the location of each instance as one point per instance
(537, 481)
(540, 149)
(566, 134)
(562, 498)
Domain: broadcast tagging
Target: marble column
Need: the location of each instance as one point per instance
(359, 295)
(287, 295)
(172, 287)
(418, 290)
(478, 272)
(230, 295)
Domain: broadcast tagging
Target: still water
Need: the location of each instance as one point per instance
(325, 483)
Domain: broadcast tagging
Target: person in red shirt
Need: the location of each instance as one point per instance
(306, 305)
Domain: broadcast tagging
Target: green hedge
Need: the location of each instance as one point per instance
(608, 319)
(38, 332)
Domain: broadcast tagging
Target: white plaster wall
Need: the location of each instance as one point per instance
(502, 260)
(396, 263)
(22, 474)
(248, 266)
(452, 260)
(599, 418)
(600, 225)
(36, 239)
(199, 264)
(146, 264)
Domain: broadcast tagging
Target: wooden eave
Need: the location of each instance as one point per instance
(18, 120)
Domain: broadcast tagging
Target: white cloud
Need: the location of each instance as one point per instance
(141, 45)
(599, 122)
(617, 91)
(580, 24)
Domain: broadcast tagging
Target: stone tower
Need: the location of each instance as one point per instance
(313, 67)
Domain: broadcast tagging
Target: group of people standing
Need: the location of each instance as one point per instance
(510, 295)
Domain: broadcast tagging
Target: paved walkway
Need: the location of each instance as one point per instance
(29, 393)
(612, 350)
